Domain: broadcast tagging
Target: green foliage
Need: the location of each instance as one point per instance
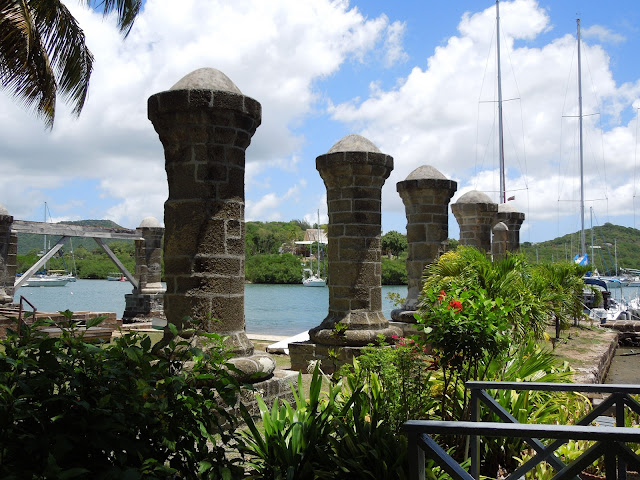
(512, 278)
(72, 409)
(341, 434)
(405, 373)
(394, 272)
(393, 243)
(292, 444)
(284, 268)
(567, 246)
(263, 238)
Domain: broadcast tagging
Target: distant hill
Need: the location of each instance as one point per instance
(31, 241)
(606, 236)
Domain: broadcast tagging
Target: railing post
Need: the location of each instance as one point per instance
(474, 443)
(610, 462)
(620, 406)
(416, 458)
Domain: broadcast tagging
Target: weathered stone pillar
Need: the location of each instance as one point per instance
(8, 254)
(354, 172)
(205, 125)
(500, 240)
(426, 194)
(149, 257)
(513, 220)
(146, 301)
(475, 213)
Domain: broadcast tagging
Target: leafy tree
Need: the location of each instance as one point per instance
(43, 51)
(393, 242)
(394, 272)
(283, 268)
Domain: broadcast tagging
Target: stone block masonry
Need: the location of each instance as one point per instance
(205, 125)
(354, 171)
(426, 194)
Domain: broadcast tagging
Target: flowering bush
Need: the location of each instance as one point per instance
(466, 330)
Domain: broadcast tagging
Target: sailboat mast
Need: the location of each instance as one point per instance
(318, 238)
(500, 128)
(583, 244)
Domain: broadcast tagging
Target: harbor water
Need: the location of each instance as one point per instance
(269, 309)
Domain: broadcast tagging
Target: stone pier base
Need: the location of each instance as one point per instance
(142, 307)
(278, 386)
(331, 358)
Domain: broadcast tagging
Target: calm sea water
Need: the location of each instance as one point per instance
(272, 309)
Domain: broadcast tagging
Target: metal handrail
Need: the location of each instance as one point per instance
(619, 397)
(610, 438)
(20, 310)
(611, 442)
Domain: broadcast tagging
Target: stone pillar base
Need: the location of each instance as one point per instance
(362, 328)
(255, 368)
(4, 298)
(142, 307)
(278, 386)
(404, 315)
(304, 355)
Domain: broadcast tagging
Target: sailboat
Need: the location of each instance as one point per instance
(48, 279)
(310, 279)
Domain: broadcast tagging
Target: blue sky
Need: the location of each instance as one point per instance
(416, 78)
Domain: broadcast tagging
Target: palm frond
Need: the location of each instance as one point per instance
(24, 64)
(127, 11)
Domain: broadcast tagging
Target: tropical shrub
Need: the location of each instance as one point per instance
(275, 268)
(467, 330)
(340, 434)
(294, 439)
(73, 409)
(394, 272)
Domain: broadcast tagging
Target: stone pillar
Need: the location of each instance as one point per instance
(354, 172)
(426, 194)
(8, 253)
(513, 220)
(500, 240)
(205, 125)
(149, 257)
(475, 213)
(146, 301)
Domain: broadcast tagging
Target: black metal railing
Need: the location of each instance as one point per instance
(610, 440)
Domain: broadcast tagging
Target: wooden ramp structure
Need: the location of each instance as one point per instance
(99, 234)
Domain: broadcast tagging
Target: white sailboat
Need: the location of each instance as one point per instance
(47, 279)
(309, 278)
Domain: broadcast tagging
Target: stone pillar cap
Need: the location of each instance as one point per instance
(149, 222)
(354, 143)
(506, 208)
(426, 172)
(206, 79)
(3, 210)
(475, 196)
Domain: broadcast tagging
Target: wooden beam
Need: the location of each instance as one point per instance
(117, 261)
(42, 228)
(44, 259)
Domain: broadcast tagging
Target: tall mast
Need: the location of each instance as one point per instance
(318, 237)
(583, 244)
(500, 129)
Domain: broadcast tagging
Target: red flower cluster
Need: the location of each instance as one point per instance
(456, 305)
(442, 295)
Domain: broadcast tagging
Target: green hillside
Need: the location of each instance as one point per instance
(605, 236)
(28, 242)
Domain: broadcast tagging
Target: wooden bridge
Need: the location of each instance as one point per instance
(99, 234)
